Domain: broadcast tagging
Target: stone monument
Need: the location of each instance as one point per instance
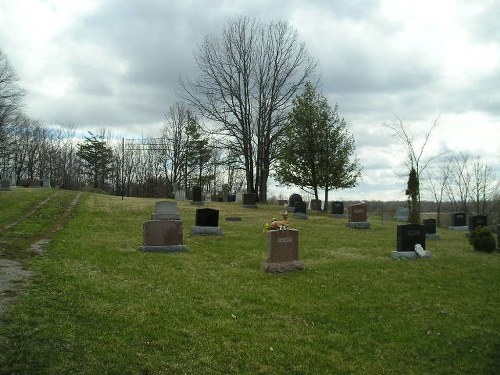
(282, 251)
(411, 242)
(249, 200)
(358, 216)
(337, 210)
(207, 223)
(163, 233)
(458, 221)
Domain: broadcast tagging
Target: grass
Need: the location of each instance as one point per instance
(100, 306)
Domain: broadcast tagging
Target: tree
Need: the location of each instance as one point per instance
(437, 181)
(97, 158)
(317, 148)
(414, 163)
(247, 78)
(413, 191)
(11, 95)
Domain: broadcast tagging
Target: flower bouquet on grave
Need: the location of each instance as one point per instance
(277, 224)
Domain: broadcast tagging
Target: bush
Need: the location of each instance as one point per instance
(482, 239)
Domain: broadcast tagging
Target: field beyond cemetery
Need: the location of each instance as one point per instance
(94, 304)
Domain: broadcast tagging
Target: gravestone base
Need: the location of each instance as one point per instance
(164, 248)
(337, 216)
(249, 206)
(197, 230)
(359, 224)
(233, 218)
(281, 267)
(410, 255)
(300, 216)
(160, 216)
(464, 228)
(432, 236)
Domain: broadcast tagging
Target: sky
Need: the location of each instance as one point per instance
(115, 64)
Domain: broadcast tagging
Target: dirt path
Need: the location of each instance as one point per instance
(12, 273)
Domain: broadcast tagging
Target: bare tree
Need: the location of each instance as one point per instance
(247, 78)
(460, 182)
(414, 162)
(437, 183)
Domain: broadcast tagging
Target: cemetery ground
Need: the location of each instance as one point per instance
(95, 304)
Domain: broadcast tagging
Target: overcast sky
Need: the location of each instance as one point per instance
(114, 64)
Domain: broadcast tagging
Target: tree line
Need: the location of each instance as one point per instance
(232, 126)
(253, 111)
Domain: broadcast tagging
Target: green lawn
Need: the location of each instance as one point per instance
(99, 306)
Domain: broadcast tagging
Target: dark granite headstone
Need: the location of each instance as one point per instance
(197, 194)
(207, 217)
(293, 199)
(231, 198)
(315, 204)
(300, 207)
(458, 219)
(337, 208)
(408, 235)
(477, 221)
(430, 226)
(5, 185)
(250, 200)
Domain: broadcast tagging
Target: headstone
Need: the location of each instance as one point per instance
(498, 236)
(458, 221)
(358, 216)
(231, 198)
(197, 196)
(337, 209)
(163, 233)
(430, 229)
(293, 199)
(5, 185)
(180, 195)
(408, 237)
(206, 223)
(477, 221)
(165, 210)
(402, 214)
(283, 251)
(239, 196)
(249, 200)
(300, 210)
(45, 183)
(315, 205)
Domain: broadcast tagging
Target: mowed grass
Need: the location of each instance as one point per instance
(99, 306)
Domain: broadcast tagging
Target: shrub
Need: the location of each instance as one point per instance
(482, 239)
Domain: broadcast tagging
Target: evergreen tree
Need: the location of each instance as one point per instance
(413, 193)
(97, 159)
(317, 149)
